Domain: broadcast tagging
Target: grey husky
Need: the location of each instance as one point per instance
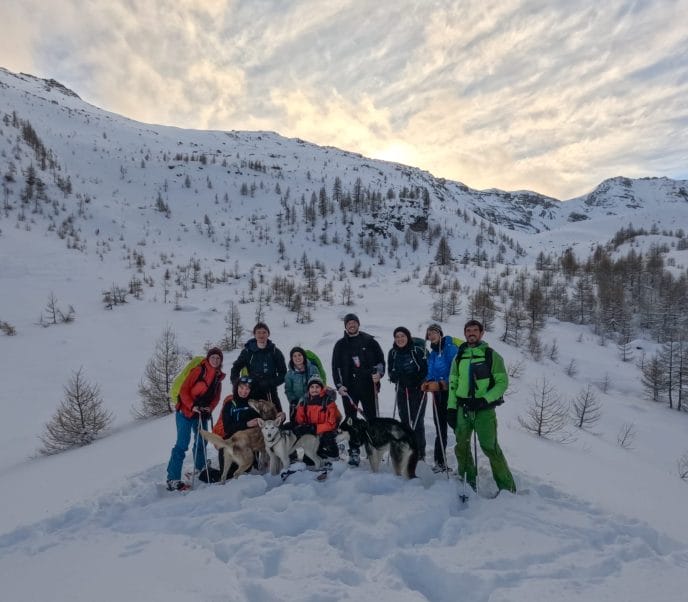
(280, 444)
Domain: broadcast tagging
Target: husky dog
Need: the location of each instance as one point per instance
(379, 435)
(242, 446)
(280, 444)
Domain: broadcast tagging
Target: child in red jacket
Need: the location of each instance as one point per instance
(317, 414)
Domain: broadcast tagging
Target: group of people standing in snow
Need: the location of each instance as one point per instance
(465, 379)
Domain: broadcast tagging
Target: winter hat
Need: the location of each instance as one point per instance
(349, 317)
(405, 331)
(262, 325)
(316, 380)
(215, 351)
(436, 327)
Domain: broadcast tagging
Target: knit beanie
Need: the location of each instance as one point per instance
(436, 327)
(215, 351)
(349, 317)
(316, 380)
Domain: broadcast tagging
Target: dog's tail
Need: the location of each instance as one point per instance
(216, 440)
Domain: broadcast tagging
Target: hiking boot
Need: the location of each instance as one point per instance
(354, 457)
(438, 468)
(176, 485)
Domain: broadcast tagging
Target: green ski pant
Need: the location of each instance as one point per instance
(485, 424)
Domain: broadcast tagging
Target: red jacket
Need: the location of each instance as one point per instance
(196, 388)
(322, 411)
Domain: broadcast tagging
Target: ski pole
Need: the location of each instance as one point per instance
(475, 454)
(420, 408)
(195, 451)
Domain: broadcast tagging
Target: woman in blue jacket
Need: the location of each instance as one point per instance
(443, 350)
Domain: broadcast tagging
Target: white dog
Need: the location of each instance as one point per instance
(281, 444)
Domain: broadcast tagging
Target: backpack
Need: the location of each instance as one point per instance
(181, 377)
(488, 363)
(419, 346)
(313, 358)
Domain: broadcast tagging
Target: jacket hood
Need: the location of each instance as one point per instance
(252, 345)
(300, 350)
(409, 339)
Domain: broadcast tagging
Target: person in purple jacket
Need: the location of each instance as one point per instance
(443, 350)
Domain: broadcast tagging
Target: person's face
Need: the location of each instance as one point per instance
(243, 390)
(351, 327)
(400, 339)
(314, 390)
(261, 335)
(472, 335)
(215, 360)
(433, 336)
(298, 359)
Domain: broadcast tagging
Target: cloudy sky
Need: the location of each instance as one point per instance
(546, 95)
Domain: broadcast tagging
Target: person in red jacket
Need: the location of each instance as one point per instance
(317, 414)
(198, 397)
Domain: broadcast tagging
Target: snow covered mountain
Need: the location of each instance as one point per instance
(186, 223)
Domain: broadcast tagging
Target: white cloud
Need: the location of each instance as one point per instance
(551, 96)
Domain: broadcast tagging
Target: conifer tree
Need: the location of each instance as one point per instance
(160, 372)
(80, 417)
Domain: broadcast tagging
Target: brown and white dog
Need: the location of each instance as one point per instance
(241, 447)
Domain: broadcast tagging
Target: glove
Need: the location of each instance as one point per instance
(304, 429)
(342, 390)
(452, 417)
(476, 403)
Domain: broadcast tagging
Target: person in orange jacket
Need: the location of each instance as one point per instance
(198, 397)
(317, 414)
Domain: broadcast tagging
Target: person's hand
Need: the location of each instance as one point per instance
(252, 422)
(376, 377)
(304, 429)
(343, 391)
(452, 417)
(475, 403)
(424, 387)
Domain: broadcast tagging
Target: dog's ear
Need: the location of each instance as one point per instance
(280, 419)
(261, 422)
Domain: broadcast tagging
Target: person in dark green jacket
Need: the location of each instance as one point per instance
(477, 382)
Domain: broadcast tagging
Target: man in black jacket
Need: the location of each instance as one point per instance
(358, 364)
(264, 363)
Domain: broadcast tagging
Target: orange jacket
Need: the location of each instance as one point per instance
(322, 411)
(195, 388)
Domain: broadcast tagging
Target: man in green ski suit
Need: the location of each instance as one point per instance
(476, 386)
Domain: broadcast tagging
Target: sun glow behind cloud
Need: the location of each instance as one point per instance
(551, 96)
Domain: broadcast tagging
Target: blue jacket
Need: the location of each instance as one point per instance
(296, 383)
(440, 360)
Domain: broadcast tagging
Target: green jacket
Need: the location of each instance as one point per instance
(472, 361)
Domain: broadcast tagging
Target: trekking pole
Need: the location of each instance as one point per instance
(195, 451)
(377, 404)
(396, 394)
(420, 408)
(438, 426)
(475, 454)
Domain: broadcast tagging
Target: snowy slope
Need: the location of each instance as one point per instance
(592, 521)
